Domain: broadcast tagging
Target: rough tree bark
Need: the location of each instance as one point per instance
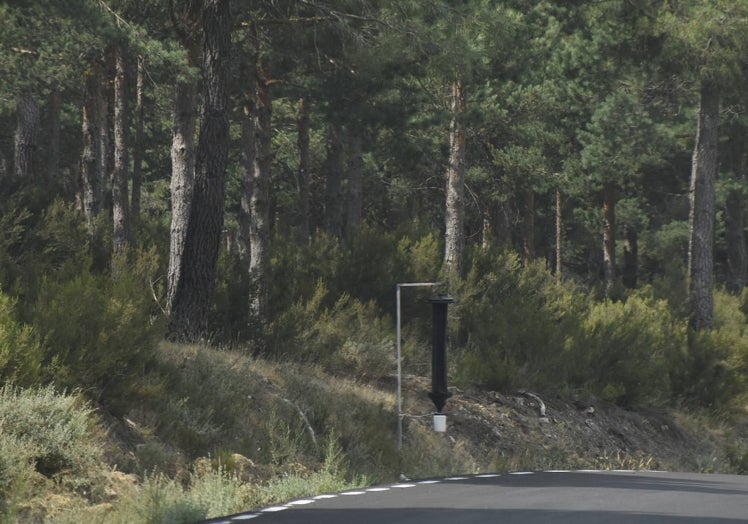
(528, 242)
(454, 235)
(609, 237)
(559, 234)
(259, 203)
(194, 291)
(90, 165)
(182, 179)
(186, 24)
(334, 178)
(102, 137)
(138, 143)
(27, 133)
(630, 271)
(120, 172)
(355, 187)
(53, 162)
(303, 173)
(248, 162)
(737, 258)
(701, 214)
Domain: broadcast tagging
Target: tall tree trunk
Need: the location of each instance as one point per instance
(334, 178)
(90, 165)
(187, 25)
(496, 228)
(737, 259)
(27, 133)
(559, 234)
(194, 291)
(139, 143)
(102, 137)
(120, 201)
(249, 153)
(630, 272)
(454, 235)
(182, 180)
(488, 235)
(355, 187)
(609, 237)
(53, 161)
(528, 244)
(259, 231)
(701, 215)
(303, 173)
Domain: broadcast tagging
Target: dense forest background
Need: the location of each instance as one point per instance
(261, 174)
(205, 208)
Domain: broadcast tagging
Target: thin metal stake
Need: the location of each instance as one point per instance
(399, 357)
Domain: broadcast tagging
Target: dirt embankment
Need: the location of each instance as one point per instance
(525, 430)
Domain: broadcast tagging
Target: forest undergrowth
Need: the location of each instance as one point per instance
(216, 432)
(104, 420)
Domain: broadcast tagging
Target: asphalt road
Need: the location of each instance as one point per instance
(577, 497)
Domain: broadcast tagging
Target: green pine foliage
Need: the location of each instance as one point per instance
(626, 351)
(98, 332)
(574, 98)
(351, 335)
(514, 324)
(21, 352)
(517, 328)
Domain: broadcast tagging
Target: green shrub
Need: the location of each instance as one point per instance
(350, 335)
(716, 363)
(365, 269)
(628, 350)
(99, 332)
(59, 429)
(298, 268)
(513, 323)
(518, 327)
(14, 223)
(16, 472)
(330, 477)
(159, 500)
(20, 350)
(48, 433)
(215, 492)
(361, 419)
(210, 399)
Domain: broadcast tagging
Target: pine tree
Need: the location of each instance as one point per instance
(194, 291)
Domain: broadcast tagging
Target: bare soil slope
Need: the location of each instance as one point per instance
(525, 430)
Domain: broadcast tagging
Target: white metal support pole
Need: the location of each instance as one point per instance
(399, 356)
